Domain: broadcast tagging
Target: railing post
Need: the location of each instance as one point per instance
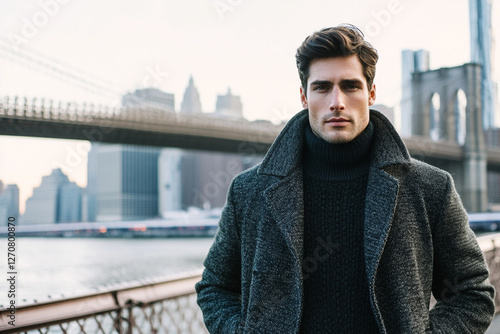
(131, 320)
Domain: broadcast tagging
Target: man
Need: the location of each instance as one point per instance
(338, 230)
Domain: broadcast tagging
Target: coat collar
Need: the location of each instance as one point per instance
(285, 153)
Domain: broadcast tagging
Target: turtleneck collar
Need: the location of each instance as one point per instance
(348, 161)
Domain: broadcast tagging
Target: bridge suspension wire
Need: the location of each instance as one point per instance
(64, 72)
(63, 64)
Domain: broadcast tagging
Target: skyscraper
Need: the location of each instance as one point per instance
(229, 106)
(123, 182)
(206, 177)
(413, 61)
(481, 45)
(149, 98)
(169, 180)
(90, 196)
(9, 202)
(56, 200)
(191, 101)
(69, 207)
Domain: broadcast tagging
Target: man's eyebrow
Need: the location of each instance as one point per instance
(343, 82)
(351, 81)
(321, 82)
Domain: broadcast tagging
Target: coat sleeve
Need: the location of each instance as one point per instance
(219, 291)
(460, 281)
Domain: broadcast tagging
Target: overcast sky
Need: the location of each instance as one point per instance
(122, 45)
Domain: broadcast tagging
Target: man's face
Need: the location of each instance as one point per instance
(338, 98)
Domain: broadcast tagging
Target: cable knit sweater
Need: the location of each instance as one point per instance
(336, 296)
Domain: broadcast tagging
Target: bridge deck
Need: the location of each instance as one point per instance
(169, 129)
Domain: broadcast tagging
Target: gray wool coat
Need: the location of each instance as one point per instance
(416, 241)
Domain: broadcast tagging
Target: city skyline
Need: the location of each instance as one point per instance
(128, 182)
(162, 44)
(77, 151)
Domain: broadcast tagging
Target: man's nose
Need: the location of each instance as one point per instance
(337, 100)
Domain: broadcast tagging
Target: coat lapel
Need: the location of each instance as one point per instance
(381, 194)
(285, 200)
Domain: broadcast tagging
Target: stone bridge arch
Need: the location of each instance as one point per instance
(470, 174)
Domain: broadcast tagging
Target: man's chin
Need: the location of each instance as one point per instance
(337, 138)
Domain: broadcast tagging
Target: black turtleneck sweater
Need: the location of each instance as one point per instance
(336, 296)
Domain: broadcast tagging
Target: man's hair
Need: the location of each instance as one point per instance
(342, 41)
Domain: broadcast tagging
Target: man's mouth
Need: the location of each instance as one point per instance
(337, 121)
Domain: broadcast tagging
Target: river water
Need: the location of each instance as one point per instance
(48, 268)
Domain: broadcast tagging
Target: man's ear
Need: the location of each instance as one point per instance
(303, 97)
(372, 95)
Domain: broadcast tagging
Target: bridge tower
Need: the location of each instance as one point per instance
(447, 107)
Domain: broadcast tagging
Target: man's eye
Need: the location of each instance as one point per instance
(321, 88)
(351, 87)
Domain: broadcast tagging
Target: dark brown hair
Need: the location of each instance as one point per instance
(342, 41)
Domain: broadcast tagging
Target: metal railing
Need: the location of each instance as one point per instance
(490, 245)
(162, 307)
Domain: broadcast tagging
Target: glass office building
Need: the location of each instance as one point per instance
(122, 182)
